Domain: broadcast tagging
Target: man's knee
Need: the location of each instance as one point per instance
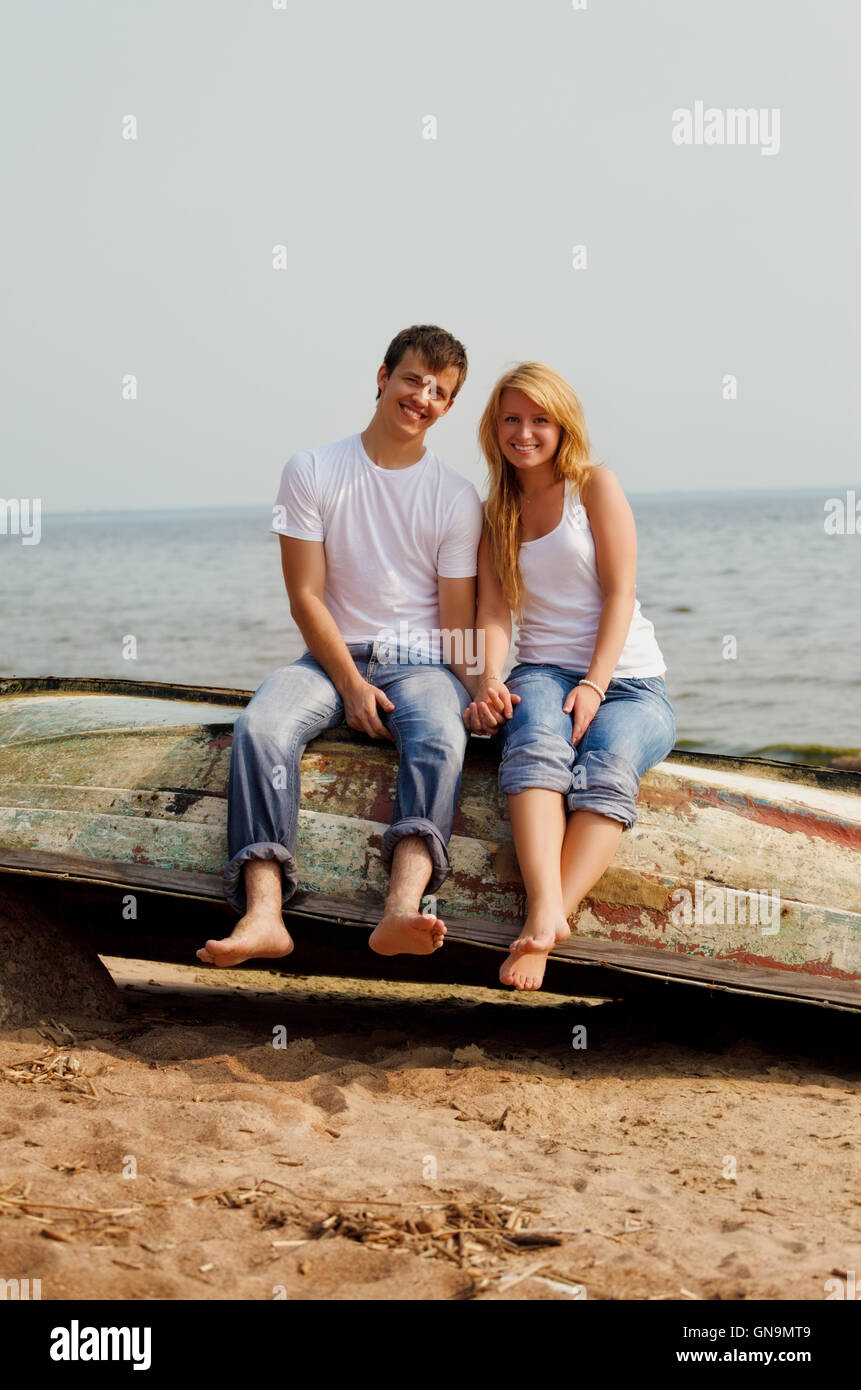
(289, 714)
(255, 726)
(247, 726)
(434, 725)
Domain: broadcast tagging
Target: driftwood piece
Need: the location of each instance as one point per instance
(47, 970)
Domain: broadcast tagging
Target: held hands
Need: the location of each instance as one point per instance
(583, 702)
(360, 709)
(493, 704)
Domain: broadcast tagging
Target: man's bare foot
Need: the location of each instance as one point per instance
(402, 932)
(524, 971)
(259, 936)
(543, 929)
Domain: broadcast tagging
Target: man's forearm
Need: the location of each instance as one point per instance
(324, 641)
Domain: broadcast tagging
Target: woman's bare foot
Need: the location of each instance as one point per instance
(543, 929)
(260, 935)
(524, 971)
(405, 932)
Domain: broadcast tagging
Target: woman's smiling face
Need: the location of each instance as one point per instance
(527, 436)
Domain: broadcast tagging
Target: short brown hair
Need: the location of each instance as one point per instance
(435, 347)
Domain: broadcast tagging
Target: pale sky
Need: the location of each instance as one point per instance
(304, 125)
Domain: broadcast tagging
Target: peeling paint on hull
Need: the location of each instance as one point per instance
(143, 781)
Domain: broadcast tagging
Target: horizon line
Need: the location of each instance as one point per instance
(819, 489)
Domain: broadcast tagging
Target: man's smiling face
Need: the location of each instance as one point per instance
(413, 397)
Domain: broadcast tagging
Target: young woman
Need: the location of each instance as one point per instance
(585, 713)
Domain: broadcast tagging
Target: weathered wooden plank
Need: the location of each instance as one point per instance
(577, 951)
(836, 779)
(700, 841)
(633, 903)
(11, 686)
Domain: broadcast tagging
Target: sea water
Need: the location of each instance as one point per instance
(755, 607)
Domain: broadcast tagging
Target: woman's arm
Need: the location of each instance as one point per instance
(615, 534)
(491, 698)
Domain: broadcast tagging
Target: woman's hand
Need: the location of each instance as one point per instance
(493, 704)
(583, 702)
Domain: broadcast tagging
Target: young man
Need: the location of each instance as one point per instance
(377, 534)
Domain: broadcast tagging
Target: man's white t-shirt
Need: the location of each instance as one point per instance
(388, 534)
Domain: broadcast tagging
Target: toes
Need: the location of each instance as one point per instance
(520, 976)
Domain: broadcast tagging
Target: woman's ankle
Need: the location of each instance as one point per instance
(545, 907)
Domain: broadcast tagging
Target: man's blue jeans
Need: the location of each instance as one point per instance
(632, 731)
(298, 702)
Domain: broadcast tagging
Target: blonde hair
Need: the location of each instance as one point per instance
(573, 461)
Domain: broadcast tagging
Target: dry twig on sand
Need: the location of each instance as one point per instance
(470, 1234)
(53, 1065)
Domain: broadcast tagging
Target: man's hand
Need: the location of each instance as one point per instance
(583, 702)
(360, 709)
(493, 704)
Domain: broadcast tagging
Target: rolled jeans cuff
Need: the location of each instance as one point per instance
(415, 825)
(607, 784)
(233, 880)
(528, 761)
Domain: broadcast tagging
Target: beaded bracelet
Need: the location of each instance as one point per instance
(593, 686)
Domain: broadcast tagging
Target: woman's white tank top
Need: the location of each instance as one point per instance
(563, 601)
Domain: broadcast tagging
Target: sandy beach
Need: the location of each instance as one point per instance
(255, 1136)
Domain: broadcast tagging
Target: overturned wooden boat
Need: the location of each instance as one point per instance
(740, 874)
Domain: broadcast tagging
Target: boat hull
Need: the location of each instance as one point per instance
(739, 873)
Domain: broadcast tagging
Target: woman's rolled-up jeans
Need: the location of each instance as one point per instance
(631, 731)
